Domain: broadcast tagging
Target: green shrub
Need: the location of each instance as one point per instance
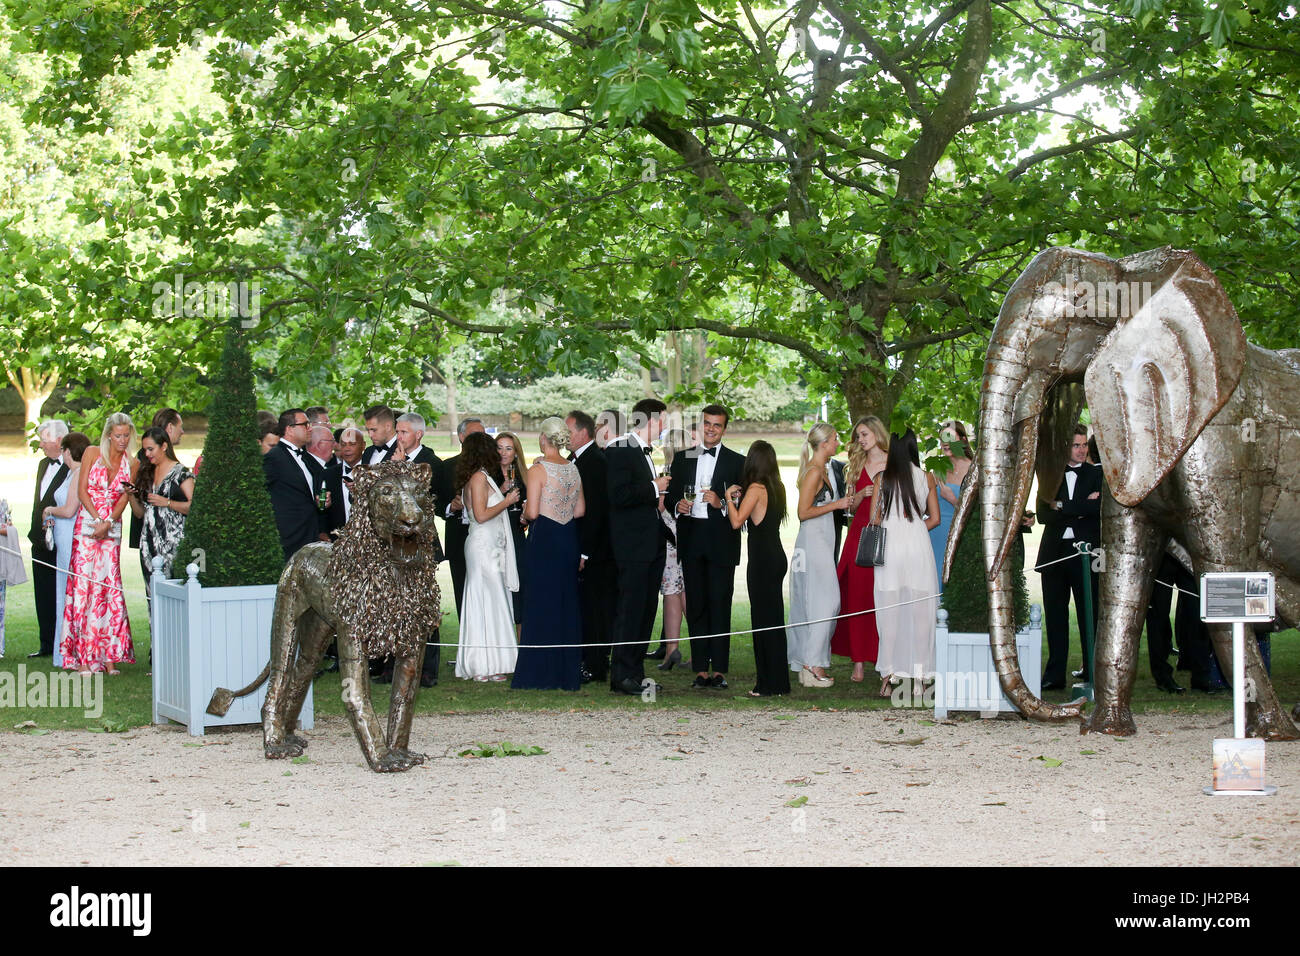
(965, 596)
(231, 519)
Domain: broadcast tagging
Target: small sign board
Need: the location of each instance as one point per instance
(1232, 596)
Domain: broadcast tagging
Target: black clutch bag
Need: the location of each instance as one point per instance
(871, 546)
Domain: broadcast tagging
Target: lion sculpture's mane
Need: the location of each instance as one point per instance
(395, 607)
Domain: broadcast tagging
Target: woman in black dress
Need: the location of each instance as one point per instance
(162, 494)
(760, 500)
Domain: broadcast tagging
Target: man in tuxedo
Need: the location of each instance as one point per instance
(1072, 516)
(597, 576)
(381, 423)
(319, 415)
(410, 434)
(288, 479)
(637, 536)
(50, 474)
(319, 459)
(708, 548)
(448, 503)
(351, 445)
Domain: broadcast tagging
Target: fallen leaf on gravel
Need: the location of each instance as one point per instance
(924, 783)
(301, 760)
(683, 720)
(1048, 761)
(36, 731)
(1000, 803)
(891, 811)
(909, 742)
(190, 743)
(1088, 753)
(786, 717)
(821, 773)
(672, 733)
(246, 824)
(287, 773)
(926, 723)
(796, 802)
(674, 758)
(798, 782)
(866, 793)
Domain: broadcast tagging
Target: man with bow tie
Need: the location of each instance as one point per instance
(50, 474)
(1072, 516)
(707, 546)
(291, 484)
(381, 423)
(638, 538)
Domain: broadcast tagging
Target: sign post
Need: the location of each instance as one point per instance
(1238, 599)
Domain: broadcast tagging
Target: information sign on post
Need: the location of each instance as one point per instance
(1238, 598)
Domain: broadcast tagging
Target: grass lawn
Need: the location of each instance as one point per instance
(128, 697)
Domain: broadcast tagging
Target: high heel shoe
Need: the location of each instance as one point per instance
(808, 678)
(674, 658)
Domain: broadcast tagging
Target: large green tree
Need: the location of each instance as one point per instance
(853, 182)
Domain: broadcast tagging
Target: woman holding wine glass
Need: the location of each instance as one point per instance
(512, 460)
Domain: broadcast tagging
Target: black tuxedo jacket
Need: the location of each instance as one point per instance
(712, 536)
(636, 532)
(454, 532)
(1077, 512)
(36, 534)
(593, 526)
(425, 456)
(372, 451)
(337, 515)
(296, 516)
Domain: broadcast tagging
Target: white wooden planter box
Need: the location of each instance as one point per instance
(205, 638)
(964, 675)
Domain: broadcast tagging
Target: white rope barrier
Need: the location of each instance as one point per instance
(70, 573)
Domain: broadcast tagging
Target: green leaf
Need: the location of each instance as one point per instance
(797, 801)
(1048, 761)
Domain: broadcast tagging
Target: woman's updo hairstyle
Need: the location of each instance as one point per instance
(555, 432)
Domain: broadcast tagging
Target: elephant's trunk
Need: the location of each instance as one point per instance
(1013, 398)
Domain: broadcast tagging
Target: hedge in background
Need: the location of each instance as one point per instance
(231, 519)
(966, 596)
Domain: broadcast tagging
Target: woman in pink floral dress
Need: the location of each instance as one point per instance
(97, 634)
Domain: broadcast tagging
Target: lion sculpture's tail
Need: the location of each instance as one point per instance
(223, 698)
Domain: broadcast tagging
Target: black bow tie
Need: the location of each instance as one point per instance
(572, 456)
(710, 451)
(296, 450)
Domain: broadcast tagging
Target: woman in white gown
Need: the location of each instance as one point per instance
(814, 588)
(906, 504)
(488, 648)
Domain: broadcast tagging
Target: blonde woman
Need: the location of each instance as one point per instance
(96, 631)
(551, 559)
(856, 637)
(814, 590)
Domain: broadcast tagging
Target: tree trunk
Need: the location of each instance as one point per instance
(453, 417)
(34, 388)
(867, 394)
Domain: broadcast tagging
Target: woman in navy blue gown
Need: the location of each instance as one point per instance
(551, 614)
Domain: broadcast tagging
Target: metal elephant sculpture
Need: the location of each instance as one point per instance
(1199, 433)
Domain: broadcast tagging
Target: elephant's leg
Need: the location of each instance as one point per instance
(1132, 544)
(401, 710)
(355, 670)
(284, 647)
(314, 635)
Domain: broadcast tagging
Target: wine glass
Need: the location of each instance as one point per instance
(688, 494)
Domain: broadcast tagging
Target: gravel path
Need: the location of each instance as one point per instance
(655, 787)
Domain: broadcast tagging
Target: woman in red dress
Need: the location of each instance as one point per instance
(856, 637)
(96, 632)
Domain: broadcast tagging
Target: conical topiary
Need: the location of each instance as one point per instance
(966, 596)
(231, 521)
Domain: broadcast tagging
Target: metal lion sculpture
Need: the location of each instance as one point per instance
(375, 590)
(1199, 433)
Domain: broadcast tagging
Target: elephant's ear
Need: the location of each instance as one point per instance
(1160, 376)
